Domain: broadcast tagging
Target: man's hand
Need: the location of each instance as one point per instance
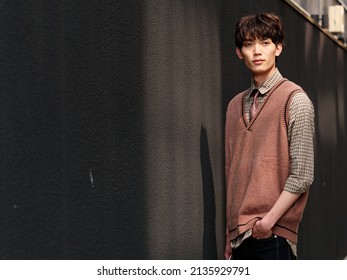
(261, 230)
(263, 227)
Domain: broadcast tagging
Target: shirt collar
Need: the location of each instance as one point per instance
(268, 83)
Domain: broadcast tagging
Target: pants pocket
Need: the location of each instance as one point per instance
(272, 237)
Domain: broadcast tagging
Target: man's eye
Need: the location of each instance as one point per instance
(247, 44)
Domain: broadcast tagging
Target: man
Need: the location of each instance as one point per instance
(268, 147)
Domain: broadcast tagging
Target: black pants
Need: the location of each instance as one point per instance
(273, 248)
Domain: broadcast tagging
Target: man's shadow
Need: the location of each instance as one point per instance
(209, 234)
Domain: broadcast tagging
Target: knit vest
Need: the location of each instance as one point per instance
(258, 163)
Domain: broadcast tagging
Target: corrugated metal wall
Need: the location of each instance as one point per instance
(73, 177)
(112, 120)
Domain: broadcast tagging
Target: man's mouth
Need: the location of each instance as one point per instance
(258, 61)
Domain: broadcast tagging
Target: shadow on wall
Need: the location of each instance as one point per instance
(209, 234)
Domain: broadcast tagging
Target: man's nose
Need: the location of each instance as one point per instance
(257, 49)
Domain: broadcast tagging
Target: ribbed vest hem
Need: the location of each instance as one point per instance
(285, 233)
(280, 230)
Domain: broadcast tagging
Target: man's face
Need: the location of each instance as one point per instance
(259, 55)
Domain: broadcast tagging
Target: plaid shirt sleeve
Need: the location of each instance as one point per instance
(301, 140)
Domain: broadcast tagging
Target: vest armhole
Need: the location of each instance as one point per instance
(286, 109)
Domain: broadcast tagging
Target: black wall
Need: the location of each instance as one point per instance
(73, 174)
(112, 120)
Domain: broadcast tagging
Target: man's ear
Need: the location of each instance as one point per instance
(279, 48)
(239, 53)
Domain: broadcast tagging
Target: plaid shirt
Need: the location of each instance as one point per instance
(300, 137)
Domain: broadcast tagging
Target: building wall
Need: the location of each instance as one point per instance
(112, 120)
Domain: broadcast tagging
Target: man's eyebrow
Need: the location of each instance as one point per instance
(259, 38)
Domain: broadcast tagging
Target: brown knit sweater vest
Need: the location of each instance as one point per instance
(258, 163)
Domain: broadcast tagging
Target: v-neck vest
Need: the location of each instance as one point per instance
(258, 162)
